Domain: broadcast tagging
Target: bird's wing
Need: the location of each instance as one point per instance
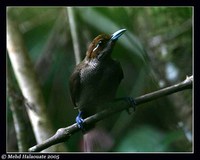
(120, 71)
(74, 86)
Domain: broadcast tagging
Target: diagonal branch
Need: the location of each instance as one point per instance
(63, 134)
(16, 103)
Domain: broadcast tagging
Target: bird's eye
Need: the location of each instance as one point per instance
(98, 44)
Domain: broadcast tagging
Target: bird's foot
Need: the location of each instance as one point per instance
(79, 121)
(131, 102)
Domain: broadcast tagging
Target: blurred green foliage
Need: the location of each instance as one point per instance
(156, 51)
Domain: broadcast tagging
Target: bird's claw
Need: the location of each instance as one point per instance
(132, 103)
(79, 121)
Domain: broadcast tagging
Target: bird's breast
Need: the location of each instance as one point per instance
(89, 71)
(99, 82)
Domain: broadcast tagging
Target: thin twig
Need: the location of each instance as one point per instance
(72, 24)
(63, 134)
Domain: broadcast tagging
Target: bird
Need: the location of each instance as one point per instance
(94, 82)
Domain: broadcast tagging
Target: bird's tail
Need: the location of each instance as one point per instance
(97, 140)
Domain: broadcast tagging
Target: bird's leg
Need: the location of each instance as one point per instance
(79, 120)
(131, 102)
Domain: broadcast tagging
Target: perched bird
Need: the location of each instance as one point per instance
(94, 82)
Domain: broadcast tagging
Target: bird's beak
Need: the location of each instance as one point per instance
(117, 34)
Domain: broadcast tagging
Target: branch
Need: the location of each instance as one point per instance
(17, 107)
(28, 83)
(72, 24)
(63, 134)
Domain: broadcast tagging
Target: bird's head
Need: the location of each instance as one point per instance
(102, 45)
